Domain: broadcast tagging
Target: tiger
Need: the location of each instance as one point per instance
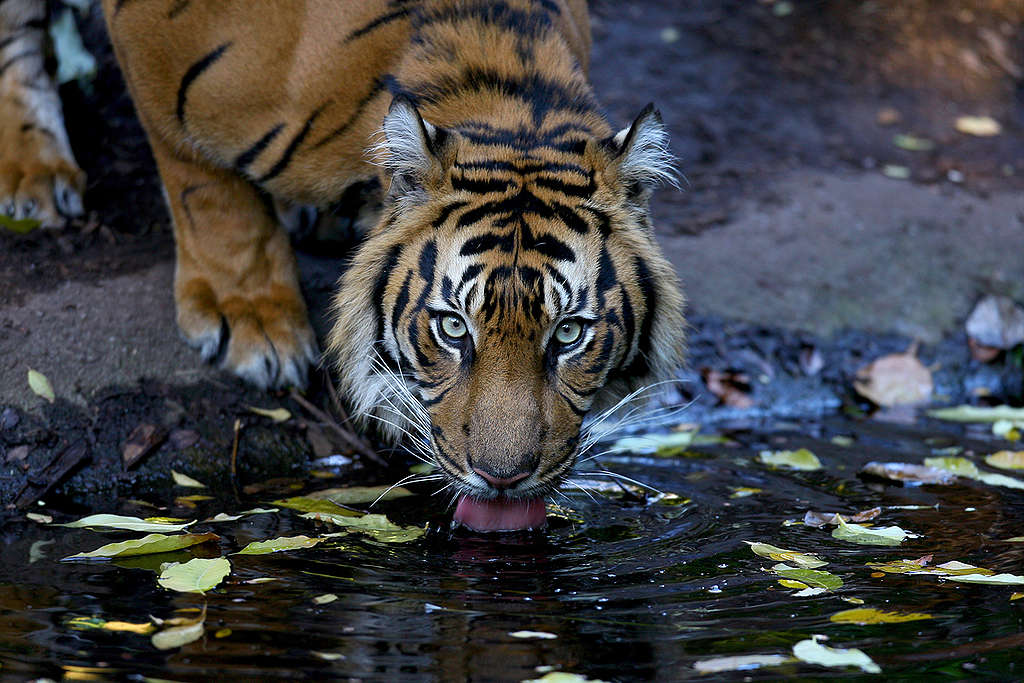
(508, 285)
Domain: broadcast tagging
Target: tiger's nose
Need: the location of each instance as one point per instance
(501, 483)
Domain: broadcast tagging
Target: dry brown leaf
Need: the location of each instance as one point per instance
(143, 440)
(896, 379)
(996, 322)
(731, 388)
(909, 474)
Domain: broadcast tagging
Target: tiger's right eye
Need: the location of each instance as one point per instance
(453, 327)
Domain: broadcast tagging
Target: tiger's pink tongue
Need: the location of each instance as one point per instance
(501, 514)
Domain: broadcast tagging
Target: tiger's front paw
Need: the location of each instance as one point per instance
(265, 339)
(33, 186)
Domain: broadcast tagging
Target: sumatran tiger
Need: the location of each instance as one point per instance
(510, 283)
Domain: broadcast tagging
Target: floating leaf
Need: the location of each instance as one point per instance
(813, 652)
(376, 526)
(222, 517)
(147, 545)
(978, 126)
(909, 474)
(896, 379)
(801, 560)
(744, 491)
(325, 598)
(355, 495)
(865, 615)
(124, 524)
(863, 535)
(1016, 596)
(275, 414)
(801, 459)
(421, 468)
(1006, 460)
(39, 518)
(651, 443)
(307, 504)
(793, 583)
(185, 480)
(183, 631)
(739, 663)
(912, 143)
(992, 579)
(40, 386)
(977, 413)
(195, 576)
(543, 635)
(279, 544)
(815, 578)
(562, 677)
(97, 624)
(966, 468)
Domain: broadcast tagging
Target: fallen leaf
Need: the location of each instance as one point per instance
(97, 624)
(186, 481)
(820, 519)
(376, 526)
(801, 459)
(222, 633)
(223, 517)
(743, 491)
(1006, 460)
(1016, 596)
(964, 413)
(279, 544)
(562, 677)
(731, 388)
(815, 578)
(40, 385)
(991, 579)
(652, 443)
(40, 518)
(965, 468)
(147, 545)
(183, 632)
(739, 663)
(862, 535)
(996, 322)
(143, 440)
(912, 143)
(328, 656)
(124, 524)
(813, 652)
(978, 126)
(307, 504)
(198, 575)
(20, 226)
(356, 495)
(275, 414)
(802, 560)
(866, 615)
(896, 172)
(793, 583)
(912, 475)
(896, 379)
(1004, 429)
(543, 635)
(325, 598)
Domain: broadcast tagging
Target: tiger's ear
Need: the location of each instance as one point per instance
(641, 155)
(413, 149)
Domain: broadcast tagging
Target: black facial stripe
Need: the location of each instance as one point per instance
(604, 221)
(606, 276)
(570, 189)
(381, 283)
(649, 294)
(446, 290)
(486, 242)
(470, 273)
(377, 22)
(549, 245)
(481, 186)
(570, 218)
(521, 167)
(401, 301)
(628, 320)
(447, 211)
(600, 363)
(522, 202)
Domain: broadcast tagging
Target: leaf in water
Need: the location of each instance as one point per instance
(97, 624)
(124, 524)
(279, 544)
(804, 561)
(813, 652)
(896, 379)
(325, 598)
(40, 386)
(543, 635)
(306, 504)
(896, 171)
(376, 526)
(992, 579)
(863, 535)
(195, 576)
(275, 414)
(743, 491)
(185, 480)
(865, 615)
(739, 663)
(912, 143)
(421, 468)
(793, 583)
(562, 677)
(1016, 596)
(814, 578)
(147, 545)
(183, 632)
(801, 459)
(328, 656)
(39, 518)
(909, 474)
(355, 495)
(978, 126)
(1006, 460)
(223, 517)
(966, 468)
(650, 443)
(978, 413)
(37, 551)
(820, 519)
(1015, 539)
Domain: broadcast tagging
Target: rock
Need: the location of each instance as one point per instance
(9, 419)
(996, 322)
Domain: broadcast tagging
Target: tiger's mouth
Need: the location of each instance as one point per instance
(501, 514)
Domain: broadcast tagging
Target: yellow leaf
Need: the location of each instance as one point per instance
(1006, 460)
(85, 623)
(275, 414)
(867, 615)
(978, 126)
(185, 480)
(801, 459)
(183, 632)
(801, 560)
(195, 576)
(1016, 596)
(791, 583)
(147, 545)
(325, 598)
(744, 491)
(40, 386)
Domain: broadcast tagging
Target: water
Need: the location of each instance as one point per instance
(632, 588)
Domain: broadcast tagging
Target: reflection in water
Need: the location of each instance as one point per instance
(631, 588)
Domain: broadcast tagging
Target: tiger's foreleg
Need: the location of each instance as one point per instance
(236, 285)
(39, 177)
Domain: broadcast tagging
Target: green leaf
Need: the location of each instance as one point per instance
(123, 523)
(801, 459)
(275, 414)
(912, 143)
(277, 545)
(355, 495)
(977, 413)
(863, 535)
(542, 635)
(813, 652)
(815, 578)
(40, 386)
(376, 526)
(223, 517)
(801, 560)
(195, 576)
(185, 480)
(866, 615)
(307, 504)
(992, 579)
(183, 632)
(739, 663)
(325, 598)
(562, 677)
(966, 468)
(1006, 460)
(147, 545)
(21, 227)
(651, 443)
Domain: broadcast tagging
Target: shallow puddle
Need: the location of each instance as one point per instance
(620, 587)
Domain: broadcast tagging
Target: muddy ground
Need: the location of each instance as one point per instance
(791, 234)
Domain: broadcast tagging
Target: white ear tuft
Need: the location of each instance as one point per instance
(408, 148)
(644, 155)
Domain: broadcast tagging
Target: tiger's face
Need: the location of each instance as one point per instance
(504, 294)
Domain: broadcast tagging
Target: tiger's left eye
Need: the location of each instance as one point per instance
(569, 332)
(453, 326)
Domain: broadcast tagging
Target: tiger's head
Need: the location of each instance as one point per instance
(512, 285)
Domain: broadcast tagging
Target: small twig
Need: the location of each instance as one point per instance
(350, 439)
(234, 449)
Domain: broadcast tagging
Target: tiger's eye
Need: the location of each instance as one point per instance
(569, 332)
(453, 326)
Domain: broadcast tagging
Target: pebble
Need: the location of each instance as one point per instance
(9, 419)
